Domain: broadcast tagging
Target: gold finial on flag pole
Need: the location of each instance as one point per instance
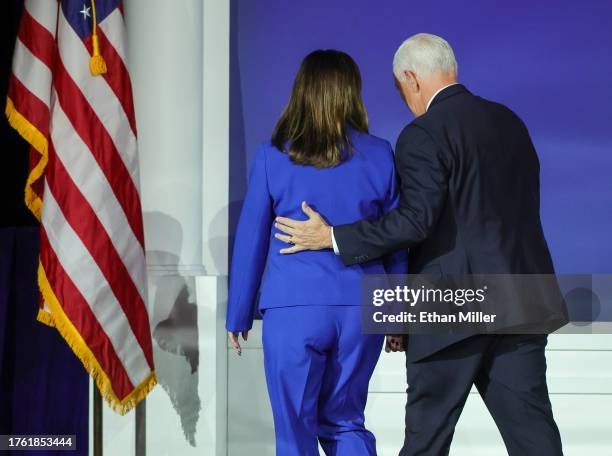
(97, 64)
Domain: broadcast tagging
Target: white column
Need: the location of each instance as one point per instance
(165, 58)
(211, 290)
(212, 387)
(215, 136)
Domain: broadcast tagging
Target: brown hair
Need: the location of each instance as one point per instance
(324, 103)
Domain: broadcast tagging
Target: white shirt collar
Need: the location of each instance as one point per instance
(439, 90)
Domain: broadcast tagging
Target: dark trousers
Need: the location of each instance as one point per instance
(509, 372)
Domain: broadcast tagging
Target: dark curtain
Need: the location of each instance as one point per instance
(43, 386)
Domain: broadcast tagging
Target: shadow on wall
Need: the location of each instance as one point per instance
(174, 322)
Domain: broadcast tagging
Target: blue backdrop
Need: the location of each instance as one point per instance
(550, 61)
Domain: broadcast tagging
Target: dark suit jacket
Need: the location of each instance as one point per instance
(469, 199)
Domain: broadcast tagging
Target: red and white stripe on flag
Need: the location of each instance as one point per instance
(84, 188)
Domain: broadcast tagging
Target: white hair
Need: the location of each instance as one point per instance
(424, 54)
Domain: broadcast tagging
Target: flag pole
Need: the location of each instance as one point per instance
(141, 428)
(97, 422)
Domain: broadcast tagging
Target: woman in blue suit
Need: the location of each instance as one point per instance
(317, 361)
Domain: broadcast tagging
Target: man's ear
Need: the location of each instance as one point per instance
(412, 80)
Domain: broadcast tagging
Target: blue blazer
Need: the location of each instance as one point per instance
(362, 187)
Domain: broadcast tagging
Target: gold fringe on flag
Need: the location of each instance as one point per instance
(45, 318)
(91, 364)
(39, 142)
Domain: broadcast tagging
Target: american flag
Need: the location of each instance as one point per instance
(70, 97)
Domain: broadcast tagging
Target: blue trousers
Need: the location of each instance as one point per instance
(318, 365)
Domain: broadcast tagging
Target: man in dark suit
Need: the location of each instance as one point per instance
(469, 179)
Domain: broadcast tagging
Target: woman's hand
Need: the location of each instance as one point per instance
(394, 343)
(233, 338)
